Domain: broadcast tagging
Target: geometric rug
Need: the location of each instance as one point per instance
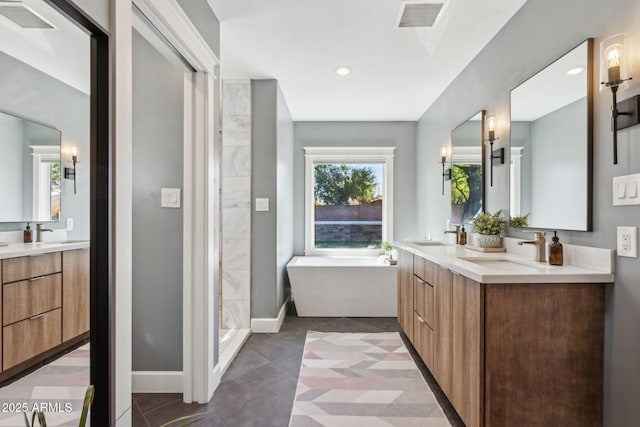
(362, 379)
(57, 388)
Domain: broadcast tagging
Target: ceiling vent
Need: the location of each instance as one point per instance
(414, 13)
(22, 15)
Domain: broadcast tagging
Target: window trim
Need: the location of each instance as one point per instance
(314, 155)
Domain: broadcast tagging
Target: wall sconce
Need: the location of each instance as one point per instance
(70, 173)
(443, 160)
(613, 63)
(499, 153)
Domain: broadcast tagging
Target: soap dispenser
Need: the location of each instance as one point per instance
(463, 236)
(28, 234)
(555, 250)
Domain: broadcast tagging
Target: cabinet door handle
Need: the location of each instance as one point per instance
(36, 316)
(421, 319)
(33, 279)
(420, 280)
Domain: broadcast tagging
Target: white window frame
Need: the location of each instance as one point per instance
(344, 155)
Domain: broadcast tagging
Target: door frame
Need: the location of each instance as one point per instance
(101, 217)
(200, 197)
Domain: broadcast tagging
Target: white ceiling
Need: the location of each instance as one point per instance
(62, 52)
(397, 73)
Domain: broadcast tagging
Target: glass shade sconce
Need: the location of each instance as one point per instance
(613, 75)
(70, 172)
(443, 160)
(495, 155)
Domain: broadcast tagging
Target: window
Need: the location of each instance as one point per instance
(348, 200)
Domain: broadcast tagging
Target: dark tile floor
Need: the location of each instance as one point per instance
(259, 386)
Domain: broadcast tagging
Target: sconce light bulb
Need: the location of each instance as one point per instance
(491, 123)
(613, 54)
(443, 154)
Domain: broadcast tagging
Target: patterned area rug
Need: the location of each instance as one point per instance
(361, 379)
(57, 388)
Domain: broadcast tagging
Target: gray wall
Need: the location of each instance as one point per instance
(532, 39)
(271, 236)
(34, 95)
(157, 232)
(401, 135)
(284, 242)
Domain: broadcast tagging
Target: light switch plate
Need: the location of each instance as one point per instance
(628, 242)
(262, 204)
(625, 190)
(69, 224)
(170, 197)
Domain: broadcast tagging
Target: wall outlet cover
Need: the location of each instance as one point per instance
(69, 224)
(627, 242)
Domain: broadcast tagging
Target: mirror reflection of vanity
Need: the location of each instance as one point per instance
(551, 144)
(467, 182)
(30, 170)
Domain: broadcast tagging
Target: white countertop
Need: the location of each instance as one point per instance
(581, 264)
(14, 250)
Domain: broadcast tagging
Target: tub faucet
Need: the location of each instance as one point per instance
(39, 231)
(457, 231)
(540, 244)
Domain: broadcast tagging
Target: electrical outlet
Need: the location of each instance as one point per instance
(628, 242)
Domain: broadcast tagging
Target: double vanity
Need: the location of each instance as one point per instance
(44, 301)
(511, 341)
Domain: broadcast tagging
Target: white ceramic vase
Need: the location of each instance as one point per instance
(487, 240)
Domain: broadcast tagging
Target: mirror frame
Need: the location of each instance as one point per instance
(483, 152)
(589, 128)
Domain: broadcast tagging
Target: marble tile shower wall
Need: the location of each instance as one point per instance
(236, 204)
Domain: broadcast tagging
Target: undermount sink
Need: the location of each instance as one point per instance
(504, 265)
(425, 242)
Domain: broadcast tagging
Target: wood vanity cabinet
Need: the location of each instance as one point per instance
(75, 297)
(31, 306)
(514, 354)
(45, 303)
(405, 292)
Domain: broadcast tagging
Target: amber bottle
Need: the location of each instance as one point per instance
(28, 234)
(555, 250)
(463, 236)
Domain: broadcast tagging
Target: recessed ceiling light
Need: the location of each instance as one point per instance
(343, 71)
(575, 70)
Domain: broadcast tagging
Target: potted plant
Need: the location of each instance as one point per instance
(388, 249)
(519, 221)
(488, 229)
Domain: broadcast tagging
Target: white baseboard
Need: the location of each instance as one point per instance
(269, 325)
(156, 381)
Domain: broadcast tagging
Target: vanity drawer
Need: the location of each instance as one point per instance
(423, 299)
(31, 297)
(423, 340)
(423, 269)
(28, 338)
(26, 267)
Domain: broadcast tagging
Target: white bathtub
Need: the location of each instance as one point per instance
(343, 287)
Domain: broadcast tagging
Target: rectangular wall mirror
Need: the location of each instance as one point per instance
(551, 144)
(30, 170)
(467, 178)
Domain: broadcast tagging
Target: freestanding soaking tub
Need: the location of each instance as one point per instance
(343, 287)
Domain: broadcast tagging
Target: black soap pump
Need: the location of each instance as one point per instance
(555, 250)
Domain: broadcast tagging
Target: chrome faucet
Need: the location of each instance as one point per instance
(540, 244)
(39, 231)
(457, 231)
